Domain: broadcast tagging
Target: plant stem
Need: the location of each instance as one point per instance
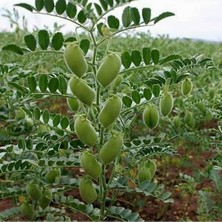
(94, 68)
(124, 30)
(43, 52)
(10, 108)
(104, 193)
(113, 170)
(102, 181)
(137, 68)
(109, 10)
(94, 52)
(98, 97)
(62, 17)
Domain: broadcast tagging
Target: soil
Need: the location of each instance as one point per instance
(151, 209)
(185, 205)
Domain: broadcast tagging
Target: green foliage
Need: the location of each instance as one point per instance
(44, 145)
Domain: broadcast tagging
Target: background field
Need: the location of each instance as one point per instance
(199, 19)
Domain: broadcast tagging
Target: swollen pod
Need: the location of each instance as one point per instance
(186, 86)
(82, 91)
(110, 111)
(73, 104)
(109, 69)
(151, 116)
(75, 60)
(87, 191)
(27, 211)
(151, 166)
(166, 104)
(85, 131)
(91, 165)
(34, 191)
(144, 174)
(45, 199)
(111, 149)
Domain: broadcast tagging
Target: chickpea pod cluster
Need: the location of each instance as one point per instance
(86, 131)
(36, 196)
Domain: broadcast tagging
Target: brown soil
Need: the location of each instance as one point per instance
(185, 205)
(150, 209)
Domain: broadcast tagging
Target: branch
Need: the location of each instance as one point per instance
(57, 16)
(113, 8)
(137, 68)
(125, 29)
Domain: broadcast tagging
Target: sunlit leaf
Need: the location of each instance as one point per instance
(39, 4)
(127, 101)
(146, 13)
(126, 59)
(104, 4)
(136, 57)
(147, 93)
(84, 45)
(13, 48)
(43, 82)
(146, 55)
(136, 97)
(64, 122)
(49, 5)
(43, 38)
(113, 22)
(32, 83)
(53, 84)
(169, 58)
(98, 9)
(163, 16)
(30, 41)
(155, 55)
(81, 16)
(135, 16)
(156, 90)
(25, 6)
(71, 10)
(110, 2)
(60, 6)
(126, 17)
(56, 120)
(45, 116)
(62, 84)
(57, 41)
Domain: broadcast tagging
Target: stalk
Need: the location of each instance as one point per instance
(102, 181)
(104, 194)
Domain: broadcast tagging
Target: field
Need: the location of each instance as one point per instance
(168, 166)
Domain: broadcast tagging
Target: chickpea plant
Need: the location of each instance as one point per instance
(106, 103)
